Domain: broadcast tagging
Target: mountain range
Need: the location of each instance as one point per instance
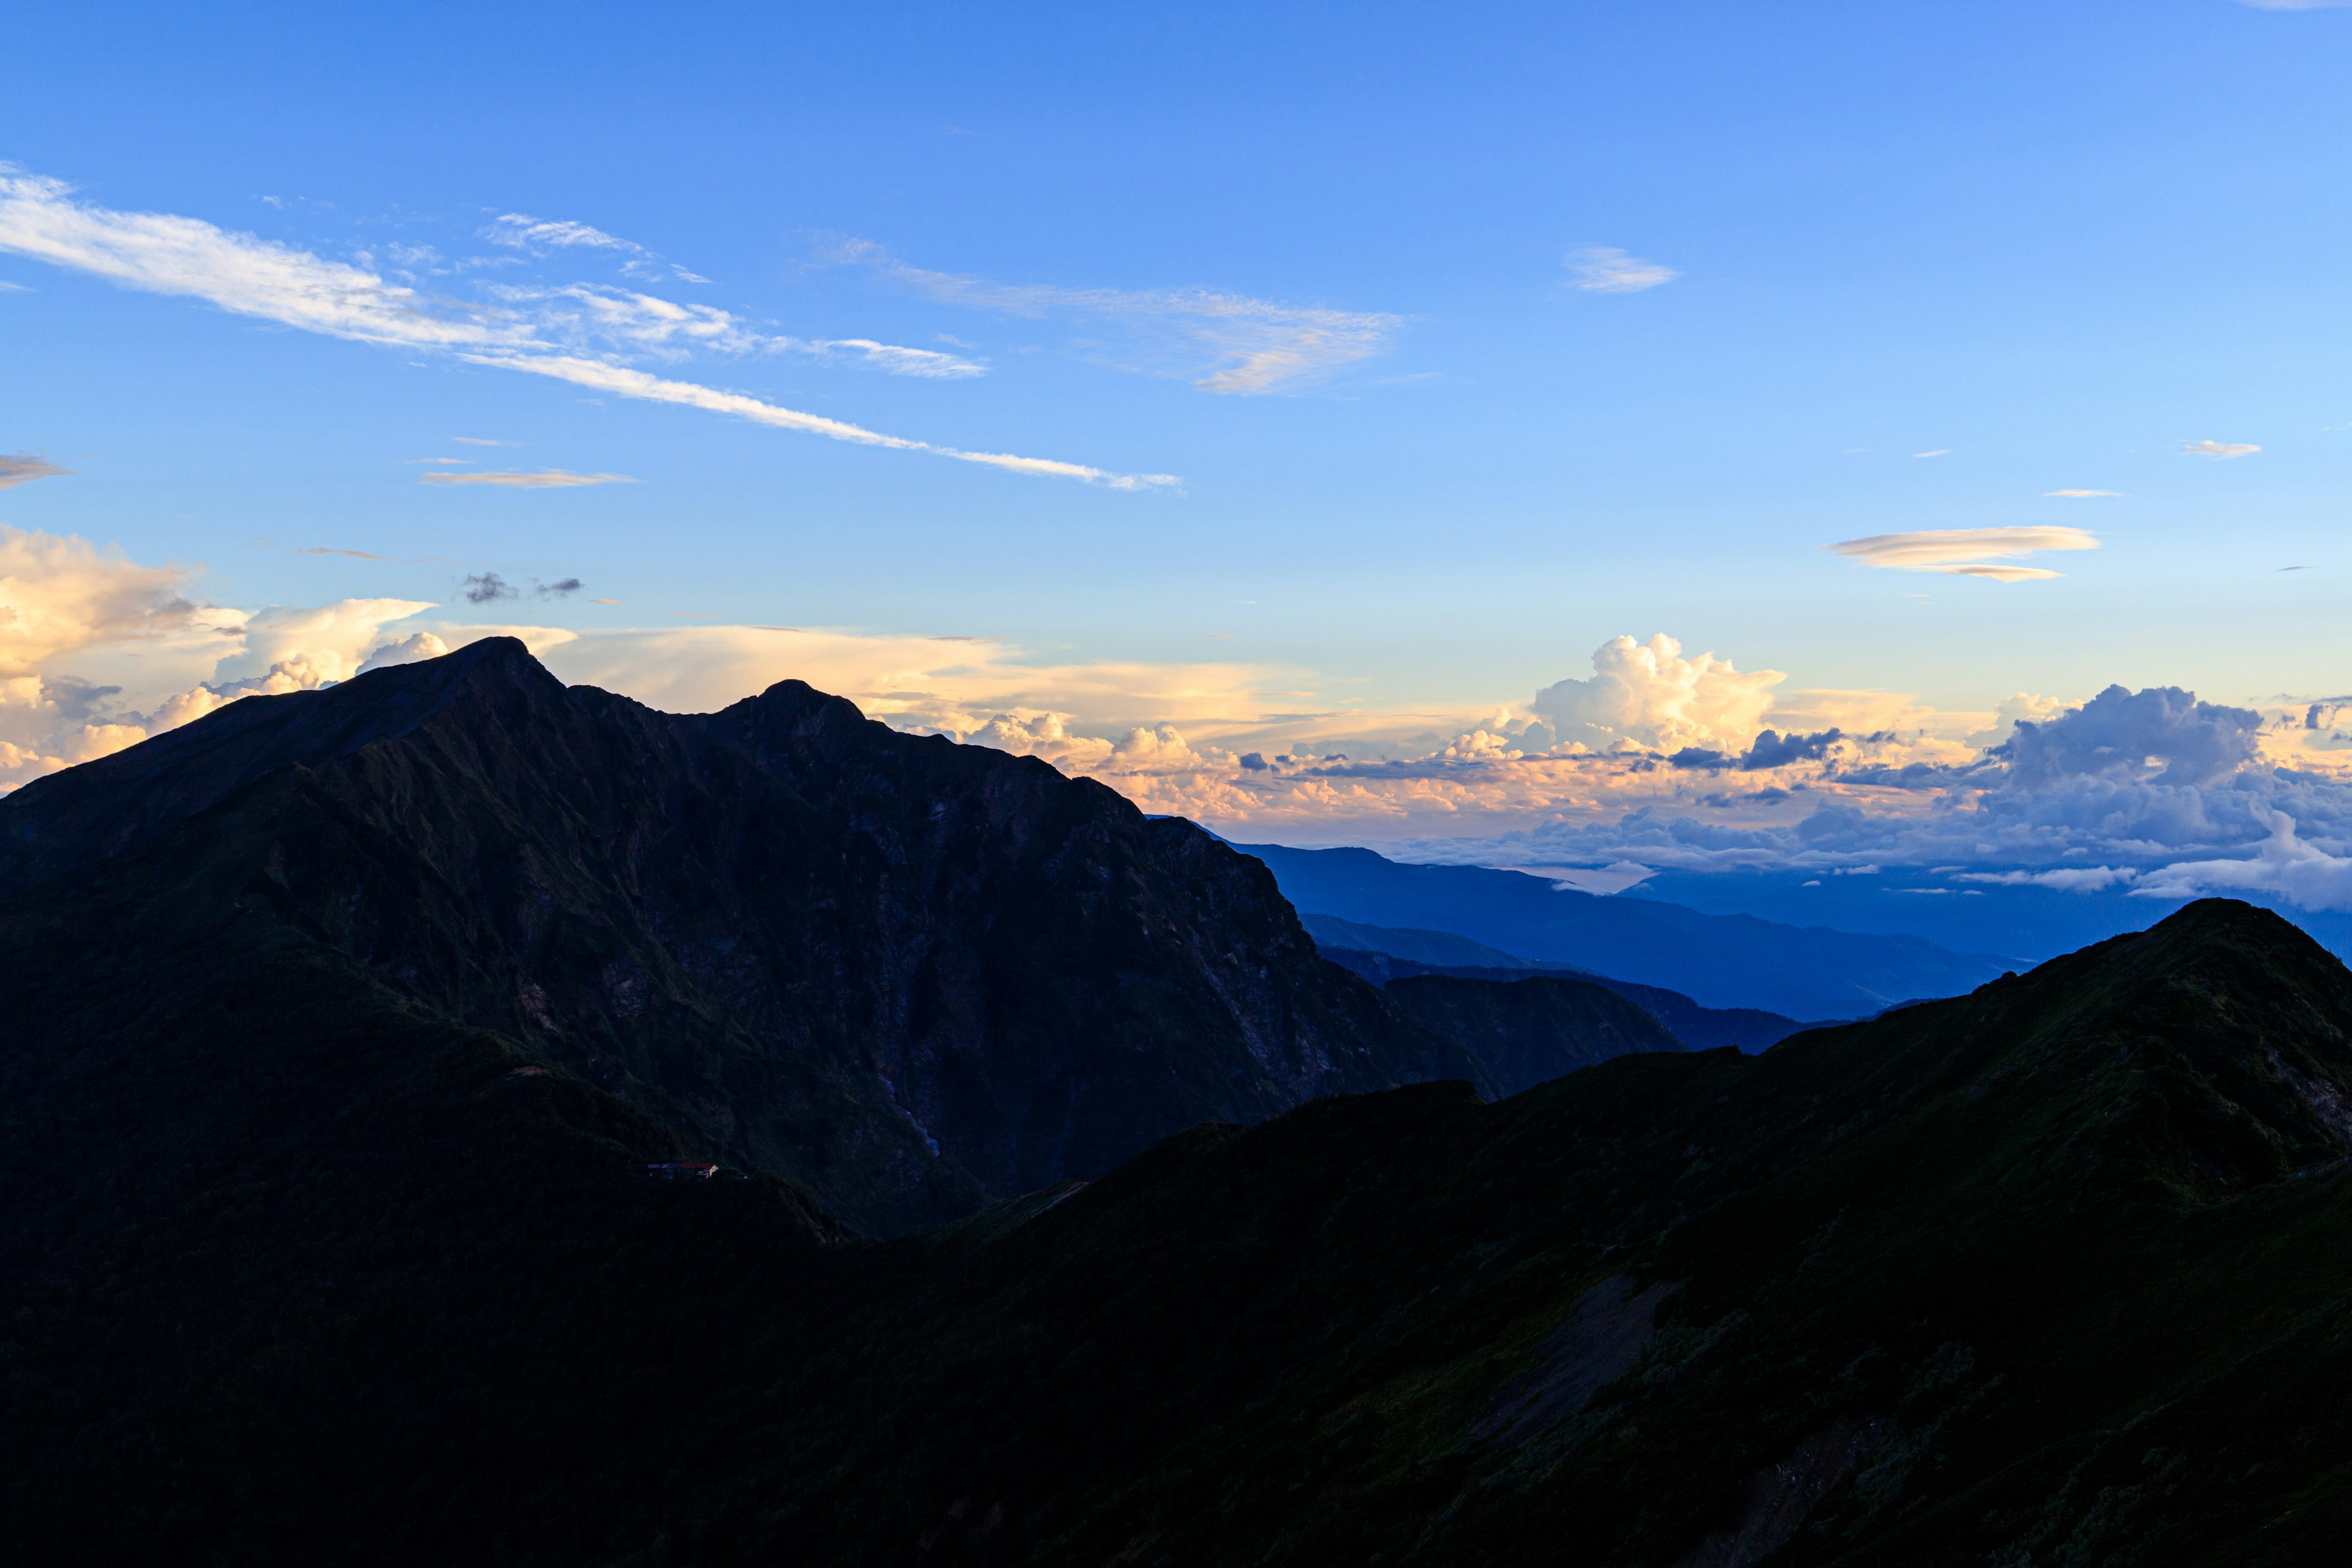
(909, 976)
(1380, 954)
(1808, 973)
(325, 1237)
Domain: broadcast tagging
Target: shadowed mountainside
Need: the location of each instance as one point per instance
(1518, 1028)
(1698, 1029)
(2052, 1272)
(908, 975)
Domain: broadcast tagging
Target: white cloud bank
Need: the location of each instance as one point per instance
(585, 334)
(1655, 758)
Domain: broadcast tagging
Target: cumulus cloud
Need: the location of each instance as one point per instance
(23, 468)
(59, 595)
(2222, 449)
(2162, 733)
(406, 650)
(1960, 551)
(1605, 269)
(543, 479)
(1648, 695)
(583, 334)
(1256, 347)
(64, 601)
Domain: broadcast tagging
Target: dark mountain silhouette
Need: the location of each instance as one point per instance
(1381, 954)
(1530, 1030)
(909, 976)
(2055, 1271)
(320, 1243)
(1723, 960)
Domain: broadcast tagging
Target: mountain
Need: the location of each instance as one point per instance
(2052, 1272)
(1436, 949)
(1696, 1027)
(1724, 961)
(1531, 1030)
(1381, 954)
(908, 976)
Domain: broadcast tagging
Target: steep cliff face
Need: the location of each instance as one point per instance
(910, 975)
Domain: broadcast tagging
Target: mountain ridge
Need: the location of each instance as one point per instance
(908, 975)
(1812, 973)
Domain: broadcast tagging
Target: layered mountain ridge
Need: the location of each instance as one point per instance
(318, 1241)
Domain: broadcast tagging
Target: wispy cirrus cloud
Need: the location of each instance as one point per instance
(518, 231)
(543, 479)
(584, 333)
(1259, 346)
(628, 382)
(2079, 495)
(1605, 269)
(23, 468)
(1962, 552)
(2224, 450)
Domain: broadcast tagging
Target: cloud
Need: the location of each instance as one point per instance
(2284, 867)
(1605, 269)
(2220, 449)
(23, 468)
(2079, 495)
(1938, 452)
(929, 363)
(482, 441)
(2162, 733)
(630, 383)
(563, 589)
(408, 650)
(148, 660)
(582, 334)
(1259, 346)
(482, 587)
(59, 595)
(2068, 878)
(1954, 552)
(544, 479)
(522, 232)
(1648, 695)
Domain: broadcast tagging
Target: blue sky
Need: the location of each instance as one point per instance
(1329, 267)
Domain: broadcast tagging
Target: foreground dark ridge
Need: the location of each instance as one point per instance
(2055, 1272)
(910, 975)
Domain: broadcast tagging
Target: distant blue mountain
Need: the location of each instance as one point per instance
(2034, 924)
(1808, 973)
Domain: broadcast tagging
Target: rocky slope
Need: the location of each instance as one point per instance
(909, 976)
